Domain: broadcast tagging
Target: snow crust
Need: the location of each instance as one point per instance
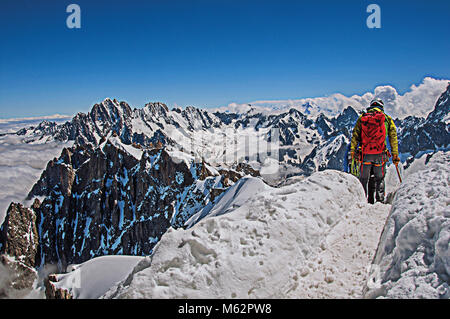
(92, 279)
(413, 257)
(254, 248)
(236, 196)
(133, 151)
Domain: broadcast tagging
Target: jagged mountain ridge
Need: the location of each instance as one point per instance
(209, 135)
(193, 129)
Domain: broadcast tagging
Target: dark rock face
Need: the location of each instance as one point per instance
(18, 251)
(345, 121)
(245, 169)
(331, 155)
(19, 235)
(440, 112)
(110, 206)
(16, 278)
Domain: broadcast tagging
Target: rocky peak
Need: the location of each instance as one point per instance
(323, 124)
(442, 108)
(345, 121)
(307, 106)
(110, 114)
(19, 245)
(246, 169)
(156, 109)
(226, 118)
(348, 113)
(59, 174)
(296, 113)
(199, 119)
(110, 110)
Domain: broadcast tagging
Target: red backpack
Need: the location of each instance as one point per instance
(373, 133)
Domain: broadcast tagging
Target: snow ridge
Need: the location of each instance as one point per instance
(257, 249)
(413, 257)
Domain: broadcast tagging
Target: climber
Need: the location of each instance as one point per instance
(370, 133)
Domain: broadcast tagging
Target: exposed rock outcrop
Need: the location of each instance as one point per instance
(18, 234)
(19, 242)
(54, 292)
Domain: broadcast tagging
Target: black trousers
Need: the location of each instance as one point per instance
(373, 169)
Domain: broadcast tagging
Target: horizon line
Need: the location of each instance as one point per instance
(58, 116)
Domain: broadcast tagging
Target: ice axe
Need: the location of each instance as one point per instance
(398, 172)
(396, 167)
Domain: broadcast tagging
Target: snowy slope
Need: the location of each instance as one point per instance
(413, 257)
(340, 268)
(92, 279)
(236, 196)
(258, 249)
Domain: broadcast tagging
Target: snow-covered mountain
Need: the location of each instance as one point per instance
(134, 174)
(301, 144)
(222, 138)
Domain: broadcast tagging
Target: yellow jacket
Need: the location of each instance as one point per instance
(391, 133)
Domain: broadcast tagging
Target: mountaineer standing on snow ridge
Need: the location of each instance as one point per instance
(370, 134)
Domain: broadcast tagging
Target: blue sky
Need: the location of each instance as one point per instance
(211, 53)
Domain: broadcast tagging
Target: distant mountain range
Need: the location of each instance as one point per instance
(306, 143)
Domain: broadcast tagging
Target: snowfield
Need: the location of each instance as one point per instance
(341, 267)
(93, 278)
(413, 258)
(269, 246)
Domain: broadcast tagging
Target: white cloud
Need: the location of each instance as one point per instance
(419, 101)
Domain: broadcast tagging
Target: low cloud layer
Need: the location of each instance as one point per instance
(14, 124)
(21, 166)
